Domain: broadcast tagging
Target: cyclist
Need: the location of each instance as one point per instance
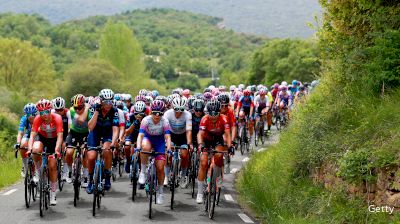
(197, 115)
(154, 133)
(214, 128)
(300, 95)
(78, 130)
(227, 110)
(180, 122)
(25, 125)
(103, 123)
(119, 105)
(262, 105)
(186, 93)
(49, 129)
(284, 99)
(132, 132)
(244, 108)
(59, 108)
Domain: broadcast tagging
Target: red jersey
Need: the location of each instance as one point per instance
(216, 129)
(274, 92)
(231, 117)
(48, 130)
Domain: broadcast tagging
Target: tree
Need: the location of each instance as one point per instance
(189, 81)
(22, 64)
(88, 77)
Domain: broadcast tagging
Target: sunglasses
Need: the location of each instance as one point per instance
(107, 102)
(198, 110)
(31, 115)
(45, 112)
(78, 108)
(157, 113)
(177, 109)
(59, 110)
(140, 114)
(213, 114)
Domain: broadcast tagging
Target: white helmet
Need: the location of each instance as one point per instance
(284, 83)
(179, 102)
(241, 86)
(58, 103)
(232, 88)
(106, 94)
(139, 107)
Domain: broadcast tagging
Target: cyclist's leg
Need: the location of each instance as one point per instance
(24, 144)
(91, 155)
(69, 154)
(159, 147)
(127, 153)
(107, 155)
(201, 176)
(37, 148)
(50, 145)
(144, 158)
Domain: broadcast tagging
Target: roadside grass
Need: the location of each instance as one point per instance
(335, 128)
(10, 169)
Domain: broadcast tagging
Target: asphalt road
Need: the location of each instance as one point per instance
(117, 207)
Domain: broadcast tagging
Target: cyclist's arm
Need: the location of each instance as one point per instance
(200, 137)
(59, 142)
(130, 129)
(168, 141)
(228, 137)
(69, 120)
(139, 140)
(92, 122)
(19, 136)
(189, 128)
(115, 130)
(31, 138)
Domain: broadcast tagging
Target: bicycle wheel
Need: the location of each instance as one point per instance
(134, 171)
(59, 172)
(193, 172)
(77, 182)
(212, 194)
(261, 131)
(151, 189)
(28, 186)
(34, 186)
(278, 122)
(173, 185)
(41, 196)
(242, 140)
(120, 168)
(256, 135)
(96, 192)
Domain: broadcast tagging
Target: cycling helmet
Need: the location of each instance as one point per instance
(246, 92)
(30, 108)
(222, 88)
(198, 105)
(238, 95)
(106, 94)
(142, 92)
(284, 88)
(207, 96)
(262, 92)
(302, 88)
(155, 93)
(284, 83)
(179, 102)
(199, 96)
(149, 99)
(276, 86)
(158, 105)
(175, 95)
(232, 88)
(207, 90)
(213, 107)
(294, 82)
(140, 98)
(140, 107)
(186, 92)
(211, 87)
(117, 96)
(259, 87)
(128, 97)
(79, 100)
(190, 102)
(223, 98)
(253, 89)
(241, 86)
(58, 103)
(44, 104)
(118, 104)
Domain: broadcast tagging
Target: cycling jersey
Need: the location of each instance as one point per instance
(274, 93)
(155, 132)
(77, 126)
(245, 101)
(261, 103)
(196, 126)
(48, 130)
(285, 97)
(121, 117)
(214, 131)
(65, 122)
(230, 115)
(179, 125)
(103, 126)
(24, 124)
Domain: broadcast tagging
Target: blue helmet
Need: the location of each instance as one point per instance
(155, 93)
(294, 82)
(30, 108)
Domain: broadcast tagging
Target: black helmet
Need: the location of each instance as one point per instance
(207, 90)
(213, 107)
(223, 98)
(198, 105)
(190, 102)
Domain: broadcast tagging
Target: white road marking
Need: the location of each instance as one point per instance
(245, 218)
(9, 192)
(245, 159)
(228, 197)
(234, 170)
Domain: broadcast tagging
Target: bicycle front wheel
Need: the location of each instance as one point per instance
(174, 177)
(212, 194)
(28, 188)
(151, 189)
(77, 183)
(96, 193)
(134, 171)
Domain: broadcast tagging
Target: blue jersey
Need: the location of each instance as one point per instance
(108, 121)
(246, 101)
(25, 125)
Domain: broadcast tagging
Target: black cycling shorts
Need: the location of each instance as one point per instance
(49, 144)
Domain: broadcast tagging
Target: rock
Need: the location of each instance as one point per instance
(394, 200)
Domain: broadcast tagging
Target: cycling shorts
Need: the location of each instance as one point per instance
(75, 137)
(178, 139)
(95, 137)
(48, 143)
(157, 143)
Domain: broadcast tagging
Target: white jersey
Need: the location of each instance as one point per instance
(179, 125)
(121, 116)
(262, 103)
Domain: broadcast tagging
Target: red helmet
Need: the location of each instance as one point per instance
(262, 92)
(43, 104)
(276, 86)
(246, 92)
(186, 92)
(79, 100)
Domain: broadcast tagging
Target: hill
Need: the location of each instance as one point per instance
(284, 18)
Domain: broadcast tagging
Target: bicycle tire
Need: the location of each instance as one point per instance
(120, 168)
(28, 186)
(173, 185)
(256, 136)
(278, 123)
(96, 192)
(77, 169)
(41, 197)
(59, 171)
(242, 140)
(193, 173)
(262, 135)
(212, 194)
(151, 190)
(47, 191)
(33, 184)
(134, 171)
